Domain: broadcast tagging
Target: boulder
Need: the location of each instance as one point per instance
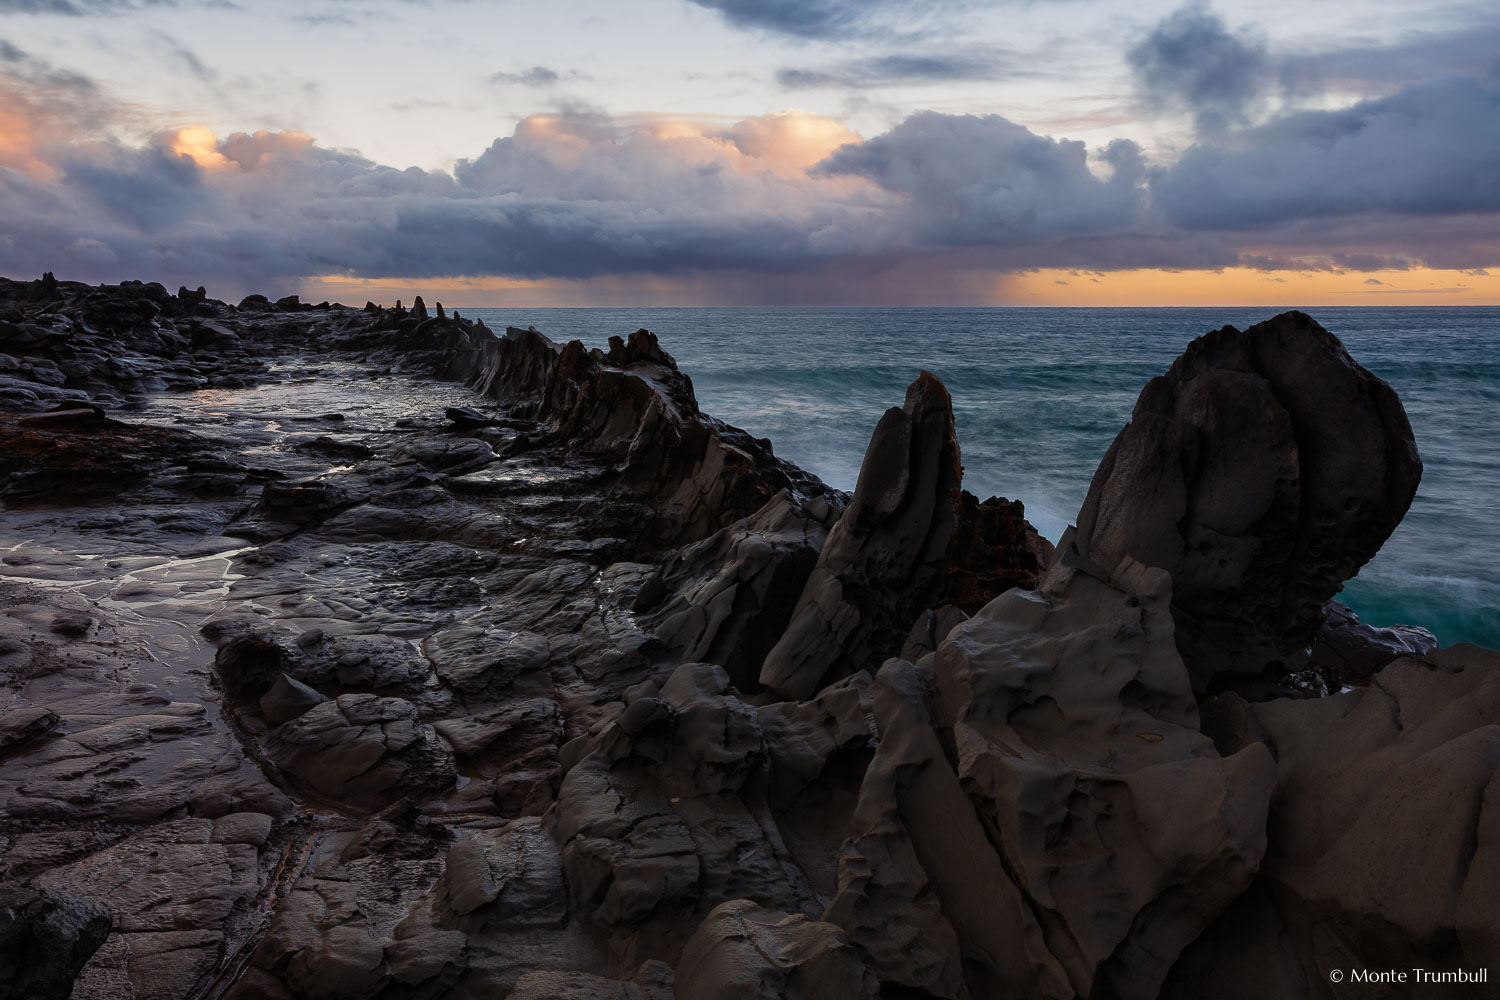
(363, 750)
(1261, 471)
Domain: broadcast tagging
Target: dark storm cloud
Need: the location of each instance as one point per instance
(905, 68)
(1429, 149)
(1192, 62)
(972, 180)
(1404, 180)
(1472, 50)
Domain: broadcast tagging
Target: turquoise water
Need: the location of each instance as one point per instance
(1038, 395)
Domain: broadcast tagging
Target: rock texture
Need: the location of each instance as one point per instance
(1032, 853)
(447, 664)
(45, 937)
(1384, 833)
(1261, 471)
(910, 536)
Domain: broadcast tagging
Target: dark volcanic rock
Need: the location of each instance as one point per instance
(1384, 833)
(364, 750)
(884, 560)
(46, 936)
(1077, 832)
(632, 406)
(1346, 652)
(1262, 471)
(725, 599)
(745, 952)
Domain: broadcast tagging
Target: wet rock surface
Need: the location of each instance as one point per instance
(366, 653)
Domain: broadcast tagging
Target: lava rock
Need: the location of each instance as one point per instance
(884, 560)
(1346, 652)
(1261, 471)
(46, 936)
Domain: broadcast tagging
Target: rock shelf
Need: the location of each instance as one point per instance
(368, 653)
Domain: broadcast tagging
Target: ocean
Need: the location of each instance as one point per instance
(1038, 394)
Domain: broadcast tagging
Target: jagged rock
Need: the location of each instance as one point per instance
(632, 405)
(745, 952)
(885, 558)
(664, 817)
(1261, 471)
(46, 936)
(1346, 652)
(802, 737)
(929, 630)
(1088, 832)
(21, 726)
(732, 594)
(1383, 836)
(364, 750)
(993, 549)
(288, 699)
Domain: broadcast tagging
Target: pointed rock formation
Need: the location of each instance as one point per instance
(884, 560)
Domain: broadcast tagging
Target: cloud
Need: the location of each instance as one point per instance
(1431, 149)
(1192, 62)
(830, 19)
(79, 8)
(906, 68)
(1471, 49)
(536, 76)
(986, 181)
(791, 200)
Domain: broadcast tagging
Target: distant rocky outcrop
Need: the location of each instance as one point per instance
(1261, 471)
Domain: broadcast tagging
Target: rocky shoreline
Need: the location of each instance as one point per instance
(369, 653)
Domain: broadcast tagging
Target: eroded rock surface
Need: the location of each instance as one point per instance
(1261, 471)
(343, 680)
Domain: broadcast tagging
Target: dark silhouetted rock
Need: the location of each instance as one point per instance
(46, 936)
(1261, 471)
(884, 560)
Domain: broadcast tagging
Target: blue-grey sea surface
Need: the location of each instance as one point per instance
(1038, 394)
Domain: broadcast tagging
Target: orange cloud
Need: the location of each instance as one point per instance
(200, 144)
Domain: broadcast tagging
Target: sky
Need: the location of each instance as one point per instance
(750, 152)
